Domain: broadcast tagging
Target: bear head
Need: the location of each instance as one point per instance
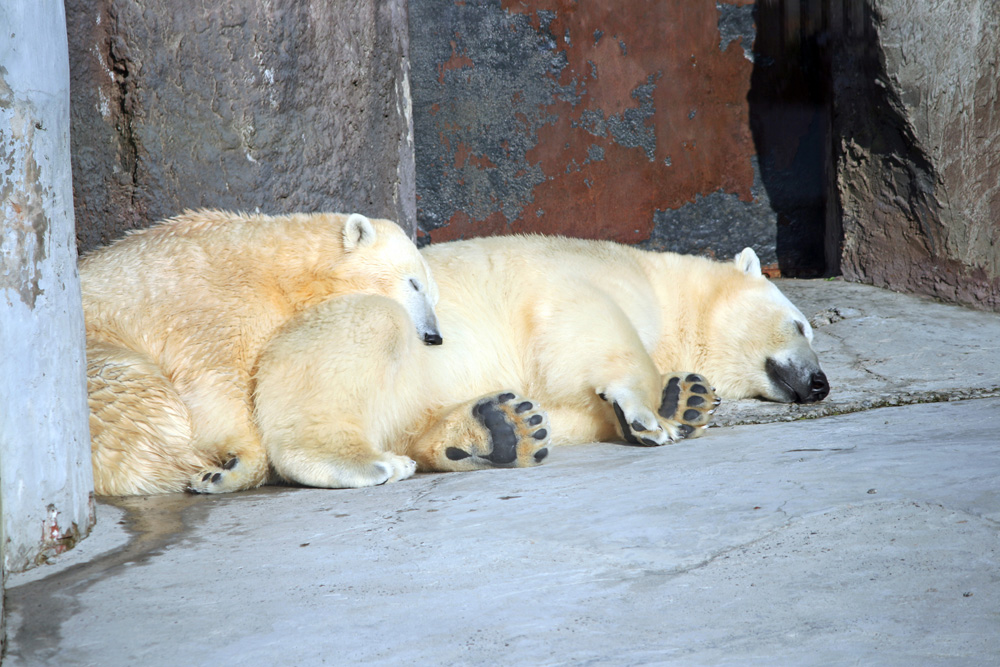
(379, 258)
(759, 343)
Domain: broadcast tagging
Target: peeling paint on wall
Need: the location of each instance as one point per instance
(22, 245)
(577, 118)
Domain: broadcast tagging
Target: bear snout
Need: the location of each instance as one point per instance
(819, 388)
(432, 338)
(800, 383)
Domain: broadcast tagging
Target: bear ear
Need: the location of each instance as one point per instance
(748, 263)
(358, 232)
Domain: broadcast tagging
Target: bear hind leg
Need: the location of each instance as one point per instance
(238, 463)
(141, 432)
(338, 459)
(498, 430)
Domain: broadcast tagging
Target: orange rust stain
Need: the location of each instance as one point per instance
(457, 61)
(464, 156)
(461, 226)
(700, 120)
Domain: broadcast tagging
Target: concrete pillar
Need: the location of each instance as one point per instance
(46, 483)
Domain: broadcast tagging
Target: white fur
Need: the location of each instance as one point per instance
(561, 321)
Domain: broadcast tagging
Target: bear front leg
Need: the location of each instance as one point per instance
(501, 430)
(687, 403)
(335, 458)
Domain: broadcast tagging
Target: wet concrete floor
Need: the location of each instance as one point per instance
(852, 534)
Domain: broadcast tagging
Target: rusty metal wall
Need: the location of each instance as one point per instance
(628, 121)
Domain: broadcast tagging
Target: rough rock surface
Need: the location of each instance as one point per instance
(917, 110)
(279, 106)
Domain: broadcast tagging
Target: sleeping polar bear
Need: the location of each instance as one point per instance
(177, 315)
(547, 341)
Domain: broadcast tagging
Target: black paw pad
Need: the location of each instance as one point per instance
(671, 398)
(502, 432)
(541, 454)
(231, 463)
(456, 454)
(523, 407)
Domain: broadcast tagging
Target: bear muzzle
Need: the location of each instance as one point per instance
(805, 383)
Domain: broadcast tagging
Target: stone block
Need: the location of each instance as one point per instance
(917, 113)
(280, 106)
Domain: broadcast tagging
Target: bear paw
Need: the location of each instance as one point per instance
(393, 468)
(689, 402)
(513, 432)
(215, 479)
(639, 426)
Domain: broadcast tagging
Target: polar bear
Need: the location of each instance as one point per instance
(177, 314)
(548, 340)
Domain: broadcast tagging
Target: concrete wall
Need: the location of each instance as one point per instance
(917, 112)
(628, 121)
(281, 106)
(46, 484)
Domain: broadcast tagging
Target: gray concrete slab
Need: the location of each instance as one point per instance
(868, 538)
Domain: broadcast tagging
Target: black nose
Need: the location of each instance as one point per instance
(818, 387)
(432, 339)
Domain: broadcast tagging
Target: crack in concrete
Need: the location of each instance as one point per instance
(797, 413)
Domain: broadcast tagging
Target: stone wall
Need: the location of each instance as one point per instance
(917, 113)
(279, 106)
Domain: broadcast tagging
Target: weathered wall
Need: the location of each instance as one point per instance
(282, 106)
(917, 112)
(628, 121)
(46, 484)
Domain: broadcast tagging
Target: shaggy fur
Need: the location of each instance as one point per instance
(177, 316)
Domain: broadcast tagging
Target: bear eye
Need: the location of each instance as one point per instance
(414, 284)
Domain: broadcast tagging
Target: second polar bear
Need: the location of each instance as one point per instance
(176, 317)
(548, 340)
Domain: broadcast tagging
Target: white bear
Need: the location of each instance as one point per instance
(547, 340)
(177, 314)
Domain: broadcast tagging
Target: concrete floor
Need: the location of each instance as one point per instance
(861, 536)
